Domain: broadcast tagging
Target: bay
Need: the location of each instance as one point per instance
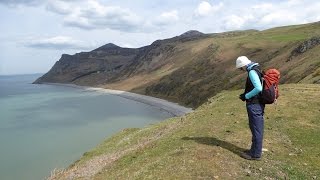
(43, 127)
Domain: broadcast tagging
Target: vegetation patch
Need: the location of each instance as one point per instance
(206, 143)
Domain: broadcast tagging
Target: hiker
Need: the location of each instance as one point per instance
(255, 108)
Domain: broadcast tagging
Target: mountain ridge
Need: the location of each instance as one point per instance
(191, 67)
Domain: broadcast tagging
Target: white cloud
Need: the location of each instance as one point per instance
(59, 7)
(234, 22)
(206, 9)
(267, 15)
(281, 17)
(294, 2)
(57, 42)
(75, 19)
(14, 3)
(312, 14)
(287, 13)
(131, 23)
(167, 18)
(94, 15)
(263, 7)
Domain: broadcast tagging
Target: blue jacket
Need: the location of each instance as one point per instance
(255, 80)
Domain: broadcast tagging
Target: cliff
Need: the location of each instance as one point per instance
(194, 66)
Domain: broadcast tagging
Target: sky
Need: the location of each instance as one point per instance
(35, 33)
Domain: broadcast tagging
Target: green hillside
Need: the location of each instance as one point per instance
(178, 68)
(294, 50)
(206, 144)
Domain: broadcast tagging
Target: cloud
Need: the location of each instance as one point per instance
(93, 15)
(278, 18)
(287, 13)
(267, 15)
(218, 16)
(264, 7)
(167, 18)
(59, 7)
(14, 3)
(237, 22)
(293, 2)
(206, 9)
(57, 42)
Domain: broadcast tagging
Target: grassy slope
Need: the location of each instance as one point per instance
(206, 144)
(208, 64)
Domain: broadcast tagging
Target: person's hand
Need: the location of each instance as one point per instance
(242, 97)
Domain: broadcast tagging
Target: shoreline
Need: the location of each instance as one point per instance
(164, 105)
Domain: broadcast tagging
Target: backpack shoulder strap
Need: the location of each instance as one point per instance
(257, 69)
(260, 74)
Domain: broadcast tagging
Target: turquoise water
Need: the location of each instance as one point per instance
(43, 127)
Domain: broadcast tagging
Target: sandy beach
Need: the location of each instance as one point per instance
(170, 107)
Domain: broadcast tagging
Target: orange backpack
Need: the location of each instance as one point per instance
(270, 91)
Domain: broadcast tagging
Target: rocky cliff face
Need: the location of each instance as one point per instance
(90, 68)
(110, 63)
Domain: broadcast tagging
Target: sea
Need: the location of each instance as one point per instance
(43, 127)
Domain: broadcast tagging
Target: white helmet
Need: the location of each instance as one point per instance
(242, 61)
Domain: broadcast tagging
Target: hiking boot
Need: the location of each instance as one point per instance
(248, 151)
(249, 157)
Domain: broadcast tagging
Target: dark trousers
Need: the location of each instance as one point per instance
(256, 121)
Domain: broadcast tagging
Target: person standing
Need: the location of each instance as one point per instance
(255, 108)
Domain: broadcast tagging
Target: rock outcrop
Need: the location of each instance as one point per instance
(304, 47)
